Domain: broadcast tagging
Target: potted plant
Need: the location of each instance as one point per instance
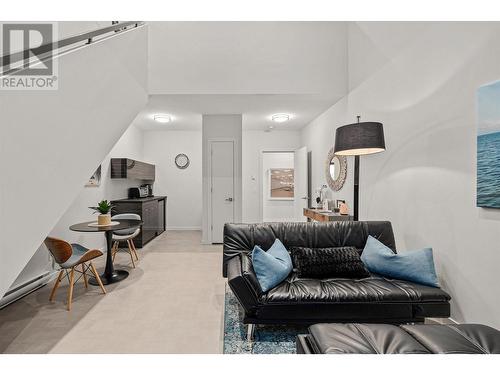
(104, 209)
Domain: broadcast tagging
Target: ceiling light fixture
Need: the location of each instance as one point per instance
(164, 119)
(280, 117)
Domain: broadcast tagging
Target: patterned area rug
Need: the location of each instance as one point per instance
(267, 339)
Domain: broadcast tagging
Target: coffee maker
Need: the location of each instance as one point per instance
(150, 189)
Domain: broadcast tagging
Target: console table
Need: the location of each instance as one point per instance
(315, 214)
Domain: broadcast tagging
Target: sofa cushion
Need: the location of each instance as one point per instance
(371, 289)
(271, 266)
(328, 262)
(416, 266)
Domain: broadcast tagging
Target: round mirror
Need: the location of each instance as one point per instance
(182, 161)
(336, 170)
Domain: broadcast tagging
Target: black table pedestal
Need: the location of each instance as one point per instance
(110, 275)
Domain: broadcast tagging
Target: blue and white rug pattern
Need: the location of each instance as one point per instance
(267, 339)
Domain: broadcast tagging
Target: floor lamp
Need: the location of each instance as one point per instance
(361, 138)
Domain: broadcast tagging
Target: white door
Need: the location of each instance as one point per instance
(222, 187)
(301, 193)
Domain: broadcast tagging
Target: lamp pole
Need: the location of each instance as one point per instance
(356, 187)
(356, 184)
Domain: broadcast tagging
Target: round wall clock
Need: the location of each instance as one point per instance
(182, 161)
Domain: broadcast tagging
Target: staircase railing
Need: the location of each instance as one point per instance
(48, 48)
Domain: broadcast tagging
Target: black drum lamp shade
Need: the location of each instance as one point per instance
(361, 138)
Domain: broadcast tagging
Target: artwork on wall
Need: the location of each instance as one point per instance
(488, 146)
(281, 185)
(95, 179)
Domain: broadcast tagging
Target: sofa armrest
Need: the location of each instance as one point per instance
(243, 282)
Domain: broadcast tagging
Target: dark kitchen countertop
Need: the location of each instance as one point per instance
(146, 199)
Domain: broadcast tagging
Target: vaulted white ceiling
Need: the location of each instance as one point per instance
(252, 68)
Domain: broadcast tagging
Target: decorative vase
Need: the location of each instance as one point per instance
(344, 209)
(104, 219)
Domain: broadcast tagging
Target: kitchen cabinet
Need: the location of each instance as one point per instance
(133, 169)
(152, 211)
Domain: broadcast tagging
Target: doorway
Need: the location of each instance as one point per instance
(222, 187)
(284, 185)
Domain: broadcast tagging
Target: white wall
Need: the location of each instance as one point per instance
(254, 142)
(275, 210)
(51, 141)
(248, 58)
(220, 127)
(183, 187)
(422, 86)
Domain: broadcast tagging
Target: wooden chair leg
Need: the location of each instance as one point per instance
(135, 250)
(56, 285)
(114, 249)
(94, 271)
(84, 276)
(130, 251)
(70, 290)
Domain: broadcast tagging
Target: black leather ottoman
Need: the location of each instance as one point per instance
(353, 338)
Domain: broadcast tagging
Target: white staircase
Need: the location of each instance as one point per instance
(52, 141)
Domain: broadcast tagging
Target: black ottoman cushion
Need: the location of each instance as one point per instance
(354, 338)
(363, 339)
(456, 338)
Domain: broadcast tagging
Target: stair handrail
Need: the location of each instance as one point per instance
(88, 36)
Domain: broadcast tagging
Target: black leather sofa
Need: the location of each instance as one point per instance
(355, 338)
(306, 301)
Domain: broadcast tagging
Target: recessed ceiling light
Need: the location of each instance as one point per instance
(164, 119)
(280, 117)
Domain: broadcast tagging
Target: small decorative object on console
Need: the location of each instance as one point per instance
(104, 208)
(344, 209)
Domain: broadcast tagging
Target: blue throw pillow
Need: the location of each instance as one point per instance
(271, 266)
(416, 265)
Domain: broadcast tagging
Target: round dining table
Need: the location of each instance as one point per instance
(110, 275)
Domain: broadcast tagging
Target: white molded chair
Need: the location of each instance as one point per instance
(126, 235)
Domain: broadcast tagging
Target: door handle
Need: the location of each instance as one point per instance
(304, 198)
(229, 199)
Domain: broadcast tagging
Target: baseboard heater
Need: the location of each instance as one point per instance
(26, 288)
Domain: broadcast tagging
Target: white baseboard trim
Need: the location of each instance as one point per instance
(183, 228)
(27, 288)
